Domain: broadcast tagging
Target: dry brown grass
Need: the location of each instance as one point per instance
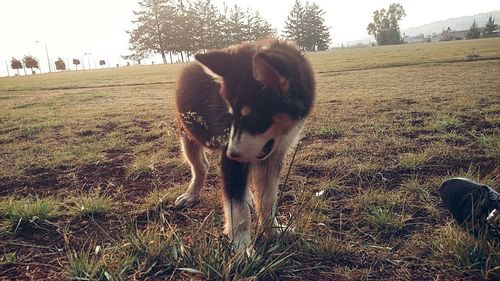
(389, 124)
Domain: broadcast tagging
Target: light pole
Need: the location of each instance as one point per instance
(7, 67)
(88, 59)
(47, 52)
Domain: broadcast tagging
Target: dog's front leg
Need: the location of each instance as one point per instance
(237, 202)
(265, 175)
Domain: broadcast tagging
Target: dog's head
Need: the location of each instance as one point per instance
(268, 87)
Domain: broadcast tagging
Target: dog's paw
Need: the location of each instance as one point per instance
(243, 243)
(187, 200)
(277, 230)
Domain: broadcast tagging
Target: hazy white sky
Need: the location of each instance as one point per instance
(71, 28)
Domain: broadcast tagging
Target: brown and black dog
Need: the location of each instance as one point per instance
(250, 102)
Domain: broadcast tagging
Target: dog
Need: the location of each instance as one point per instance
(250, 102)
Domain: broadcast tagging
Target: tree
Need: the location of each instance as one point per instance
(385, 25)
(256, 27)
(149, 31)
(76, 62)
(305, 25)
(490, 27)
(60, 64)
(236, 25)
(317, 34)
(184, 27)
(207, 25)
(16, 64)
(294, 24)
(30, 62)
(474, 31)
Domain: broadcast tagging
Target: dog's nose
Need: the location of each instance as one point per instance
(233, 154)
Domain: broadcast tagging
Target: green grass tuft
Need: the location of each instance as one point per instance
(142, 165)
(29, 212)
(330, 133)
(413, 160)
(463, 250)
(86, 265)
(385, 220)
(490, 144)
(8, 258)
(446, 123)
(153, 249)
(91, 204)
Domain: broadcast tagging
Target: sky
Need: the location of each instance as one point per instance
(73, 28)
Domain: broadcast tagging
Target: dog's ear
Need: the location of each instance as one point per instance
(267, 75)
(217, 61)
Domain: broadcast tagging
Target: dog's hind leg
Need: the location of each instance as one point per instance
(237, 202)
(195, 154)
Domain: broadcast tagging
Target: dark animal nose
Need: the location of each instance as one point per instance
(234, 154)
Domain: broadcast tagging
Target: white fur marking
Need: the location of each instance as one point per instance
(237, 222)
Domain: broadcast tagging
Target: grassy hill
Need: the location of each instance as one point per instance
(461, 23)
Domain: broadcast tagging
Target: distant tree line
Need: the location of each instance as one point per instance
(28, 61)
(489, 30)
(169, 27)
(183, 27)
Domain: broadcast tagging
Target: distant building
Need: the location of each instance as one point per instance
(421, 38)
(448, 35)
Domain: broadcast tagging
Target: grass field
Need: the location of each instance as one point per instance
(90, 166)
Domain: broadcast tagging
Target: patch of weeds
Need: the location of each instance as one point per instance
(27, 212)
(378, 198)
(153, 135)
(8, 258)
(330, 133)
(30, 131)
(474, 173)
(211, 257)
(413, 160)
(141, 166)
(143, 148)
(316, 249)
(155, 200)
(311, 210)
(463, 250)
(368, 167)
(88, 150)
(385, 220)
(473, 55)
(383, 210)
(454, 137)
(490, 144)
(436, 152)
(115, 140)
(98, 263)
(153, 249)
(416, 188)
(160, 198)
(86, 265)
(493, 118)
(92, 204)
(446, 123)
